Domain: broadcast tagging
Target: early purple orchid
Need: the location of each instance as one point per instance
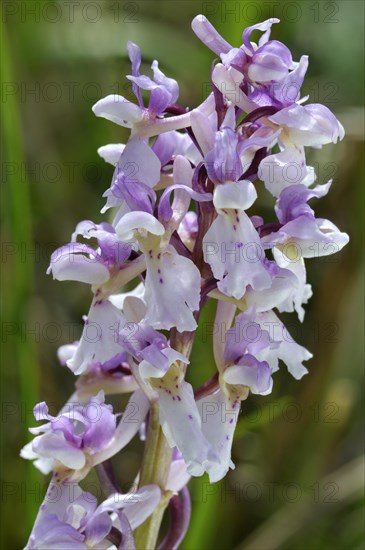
(185, 228)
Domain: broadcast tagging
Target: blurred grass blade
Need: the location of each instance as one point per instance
(17, 218)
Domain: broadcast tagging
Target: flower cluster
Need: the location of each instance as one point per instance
(184, 230)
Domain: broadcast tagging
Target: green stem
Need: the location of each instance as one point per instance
(155, 468)
(157, 457)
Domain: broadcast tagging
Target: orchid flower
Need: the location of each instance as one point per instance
(168, 305)
(301, 234)
(162, 379)
(232, 245)
(71, 518)
(239, 373)
(145, 122)
(82, 435)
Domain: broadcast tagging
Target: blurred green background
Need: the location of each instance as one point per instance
(298, 482)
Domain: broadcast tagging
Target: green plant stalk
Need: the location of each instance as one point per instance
(155, 468)
(157, 456)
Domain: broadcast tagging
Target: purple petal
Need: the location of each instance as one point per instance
(168, 83)
(265, 27)
(205, 31)
(223, 162)
(140, 163)
(53, 534)
(164, 147)
(178, 475)
(134, 53)
(292, 202)
(98, 528)
(102, 425)
(287, 91)
(270, 63)
(235, 58)
(160, 98)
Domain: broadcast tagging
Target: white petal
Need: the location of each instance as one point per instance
(291, 353)
(53, 445)
(118, 299)
(181, 424)
(238, 195)
(203, 131)
(183, 174)
(138, 220)
(43, 464)
(223, 320)
(219, 421)
(302, 292)
(131, 303)
(119, 110)
(230, 89)
(139, 509)
(334, 240)
(284, 169)
(170, 304)
(79, 267)
(248, 376)
(64, 353)
(140, 163)
(99, 341)
(233, 250)
(279, 291)
(111, 152)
